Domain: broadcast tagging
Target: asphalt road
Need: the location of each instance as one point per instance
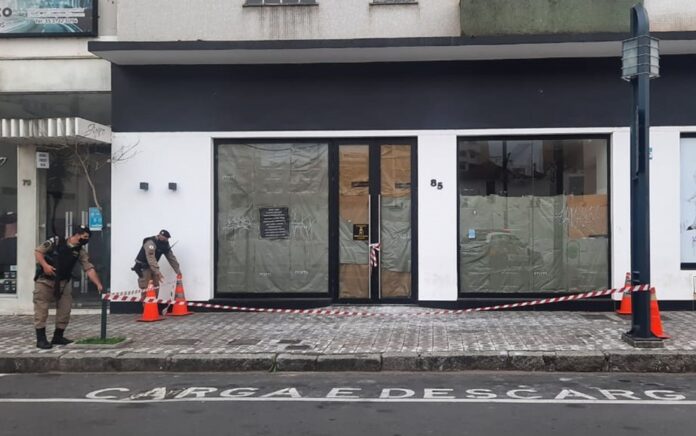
(472, 403)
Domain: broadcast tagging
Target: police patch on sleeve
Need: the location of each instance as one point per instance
(47, 244)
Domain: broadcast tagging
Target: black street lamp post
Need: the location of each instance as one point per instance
(640, 64)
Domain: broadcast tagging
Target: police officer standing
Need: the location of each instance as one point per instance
(146, 263)
(55, 260)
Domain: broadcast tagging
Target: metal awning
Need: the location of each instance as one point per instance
(53, 131)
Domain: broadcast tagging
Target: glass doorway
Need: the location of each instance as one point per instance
(77, 183)
(375, 221)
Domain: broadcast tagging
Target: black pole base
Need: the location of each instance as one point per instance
(653, 342)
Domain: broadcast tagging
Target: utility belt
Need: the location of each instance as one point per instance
(39, 274)
(57, 288)
(139, 267)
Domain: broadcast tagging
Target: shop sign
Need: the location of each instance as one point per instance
(275, 222)
(48, 18)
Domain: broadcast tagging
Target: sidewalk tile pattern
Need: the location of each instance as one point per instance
(399, 331)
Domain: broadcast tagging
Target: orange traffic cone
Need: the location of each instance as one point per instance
(625, 308)
(655, 320)
(180, 308)
(150, 312)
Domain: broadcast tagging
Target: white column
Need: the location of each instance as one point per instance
(665, 188)
(620, 206)
(27, 225)
(437, 218)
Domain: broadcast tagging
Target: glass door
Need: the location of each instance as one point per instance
(375, 221)
(76, 190)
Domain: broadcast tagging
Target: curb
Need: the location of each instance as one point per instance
(663, 361)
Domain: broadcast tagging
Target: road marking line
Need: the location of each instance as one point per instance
(358, 400)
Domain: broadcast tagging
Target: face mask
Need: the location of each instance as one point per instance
(83, 242)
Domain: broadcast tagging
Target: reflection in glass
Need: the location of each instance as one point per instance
(67, 195)
(533, 215)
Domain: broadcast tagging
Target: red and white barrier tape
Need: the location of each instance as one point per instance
(573, 297)
(374, 254)
(129, 292)
(140, 291)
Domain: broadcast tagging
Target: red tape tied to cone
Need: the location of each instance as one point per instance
(117, 297)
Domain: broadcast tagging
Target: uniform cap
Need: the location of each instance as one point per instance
(165, 234)
(78, 230)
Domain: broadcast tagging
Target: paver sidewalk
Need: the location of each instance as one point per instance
(397, 340)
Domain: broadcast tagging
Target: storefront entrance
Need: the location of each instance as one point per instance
(76, 190)
(315, 219)
(375, 220)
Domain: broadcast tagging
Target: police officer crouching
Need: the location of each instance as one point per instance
(55, 260)
(146, 262)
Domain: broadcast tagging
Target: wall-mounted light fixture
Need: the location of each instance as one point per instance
(144, 186)
(172, 186)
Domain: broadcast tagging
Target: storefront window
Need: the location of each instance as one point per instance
(533, 215)
(272, 218)
(77, 185)
(8, 219)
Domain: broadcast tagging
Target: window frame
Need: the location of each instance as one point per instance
(462, 293)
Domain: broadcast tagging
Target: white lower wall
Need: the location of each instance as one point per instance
(671, 283)
(620, 204)
(187, 159)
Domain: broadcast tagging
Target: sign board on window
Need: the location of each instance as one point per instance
(361, 232)
(48, 18)
(96, 222)
(275, 222)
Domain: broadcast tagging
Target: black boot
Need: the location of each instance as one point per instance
(41, 341)
(58, 338)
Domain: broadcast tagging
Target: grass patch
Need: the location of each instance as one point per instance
(99, 341)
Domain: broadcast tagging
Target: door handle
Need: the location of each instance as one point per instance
(379, 244)
(369, 242)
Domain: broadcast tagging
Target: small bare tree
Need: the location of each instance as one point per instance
(78, 156)
(71, 157)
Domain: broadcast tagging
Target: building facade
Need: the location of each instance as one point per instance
(423, 152)
(55, 100)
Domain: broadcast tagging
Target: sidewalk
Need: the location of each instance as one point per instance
(526, 341)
